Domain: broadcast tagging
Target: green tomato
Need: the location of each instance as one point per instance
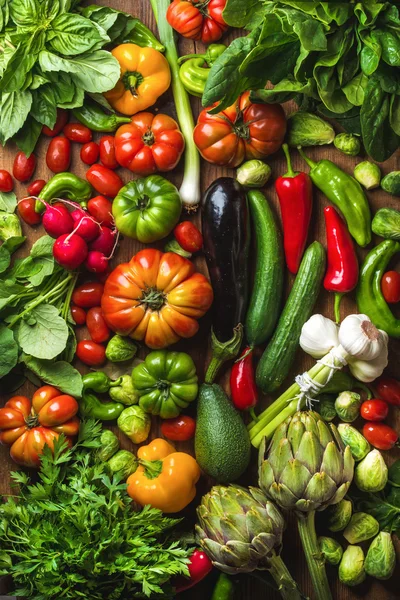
(166, 383)
(147, 209)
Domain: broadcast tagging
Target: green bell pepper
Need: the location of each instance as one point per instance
(196, 68)
(147, 209)
(166, 383)
(64, 185)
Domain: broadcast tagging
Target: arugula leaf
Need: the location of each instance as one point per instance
(14, 111)
(45, 334)
(60, 374)
(9, 350)
(72, 34)
(8, 202)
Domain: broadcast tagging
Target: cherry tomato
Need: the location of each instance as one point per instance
(104, 180)
(62, 118)
(90, 153)
(374, 410)
(380, 435)
(78, 315)
(388, 388)
(198, 19)
(179, 429)
(24, 167)
(188, 236)
(36, 187)
(76, 132)
(26, 209)
(88, 294)
(91, 353)
(390, 285)
(97, 327)
(200, 566)
(58, 155)
(107, 151)
(6, 181)
(101, 209)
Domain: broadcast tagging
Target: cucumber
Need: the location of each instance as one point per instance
(265, 301)
(278, 356)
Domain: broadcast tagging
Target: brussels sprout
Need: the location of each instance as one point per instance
(381, 557)
(351, 437)
(390, 183)
(253, 173)
(351, 568)
(362, 527)
(109, 445)
(120, 349)
(347, 406)
(331, 549)
(347, 143)
(326, 407)
(124, 462)
(125, 392)
(368, 174)
(371, 473)
(135, 423)
(386, 223)
(339, 515)
(306, 129)
(10, 226)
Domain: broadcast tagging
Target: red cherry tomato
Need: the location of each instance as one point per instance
(36, 187)
(97, 327)
(26, 209)
(179, 429)
(90, 153)
(390, 285)
(78, 315)
(200, 566)
(374, 410)
(107, 151)
(91, 353)
(6, 181)
(101, 209)
(24, 167)
(188, 236)
(62, 118)
(58, 155)
(380, 435)
(388, 388)
(104, 180)
(76, 132)
(88, 294)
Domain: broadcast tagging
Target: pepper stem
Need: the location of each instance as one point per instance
(181, 59)
(152, 468)
(286, 585)
(290, 172)
(223, 351)
(308, 160)
(315, 560)
(253, 414)
(338, 299)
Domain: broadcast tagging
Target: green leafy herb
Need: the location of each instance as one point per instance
(60, 374)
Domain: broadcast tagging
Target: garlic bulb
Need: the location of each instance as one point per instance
(318, 336)
(361, 339)
(368, 370)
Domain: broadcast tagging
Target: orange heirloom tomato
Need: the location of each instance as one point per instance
(156, 297)
(241, 131)
(26, 426)
(198, 19)
(149, 144)
(145, 75)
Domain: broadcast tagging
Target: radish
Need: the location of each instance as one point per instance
(105, 241)
(85, 225)
(96, 262)
(57, 220)
(70, 251)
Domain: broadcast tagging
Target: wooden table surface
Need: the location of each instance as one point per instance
(248, 588)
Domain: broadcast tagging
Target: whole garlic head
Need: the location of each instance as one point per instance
(368, 370)
(361, 339)
(318, 336)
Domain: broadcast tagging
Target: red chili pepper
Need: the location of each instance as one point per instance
(243, 386)
(342, 271)
(294, 191)
(200, 566)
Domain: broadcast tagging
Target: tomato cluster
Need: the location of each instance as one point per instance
(375, 410)
(86, 310)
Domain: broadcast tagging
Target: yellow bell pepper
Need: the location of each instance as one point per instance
(165, 479)
(145, 75)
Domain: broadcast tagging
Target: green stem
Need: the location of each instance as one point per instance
(222, 352)
(67, 301)
(338, 299)
(286, 584)
(181, 59)
(308, 160)
(290, 172)
(315, 560)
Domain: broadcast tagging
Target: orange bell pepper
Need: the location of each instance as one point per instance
(165, 479)
(145, 75)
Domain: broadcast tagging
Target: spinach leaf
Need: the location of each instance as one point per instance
(72, 34)
(395, 113)
(8, 202)
(9, 350)
(44, 334)
(355, 89)
(283, 91)
(380, 141)
(241, 13)
(60, 374)
(14, 111)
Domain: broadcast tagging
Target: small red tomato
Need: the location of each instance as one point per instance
(78, 315)
(107, 151)
(36, 187)
(62, 118)
(91, 353)
(26, 209)
(390, 285)
(88, 294)
(200, 566)
(179, 429)
(104, 180)
(24, 167)
(374, 410)
(76, 132)
(6, 181)
(101, 209)
(388, 389)
(58, 155)
(380, 435)
(188, 236)
(90, 153)
(97, 327)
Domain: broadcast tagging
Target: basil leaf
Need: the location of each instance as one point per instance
(27, 137)
(44, 108)
(60, 374)
(72, 34)
(14, 110)
(9, 350)
(77, 98)
(17, 69)
(8, 202)
(47, 337)
(25, 13)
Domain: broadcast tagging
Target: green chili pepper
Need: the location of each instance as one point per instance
(64, 185)
(93, 116)
(195, 70)
(224, 588)
(99, 382)
(346, 193)
(370, 300)
(143, 37)
(91, 406)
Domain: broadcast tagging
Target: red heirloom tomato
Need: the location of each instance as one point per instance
(26, 426)
(24, 167)
(390, 284)
(36, 187)
(180, 429)
(241, 131)
(198, 19)
(91, 353)
(76, 132)
(6, 182)
(107, 151)
(62, 118)
(374, 410)
(149, 143)
(188, 236)
(26, 209)
(88, 294)
(90, 153)
(104, 180)
(380, 435)
(97, 327)
(58, 155)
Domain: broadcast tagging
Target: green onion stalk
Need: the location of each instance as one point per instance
(190, 187)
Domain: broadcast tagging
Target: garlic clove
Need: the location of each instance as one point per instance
(369, 370)
(360, 338)
(318, 336)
